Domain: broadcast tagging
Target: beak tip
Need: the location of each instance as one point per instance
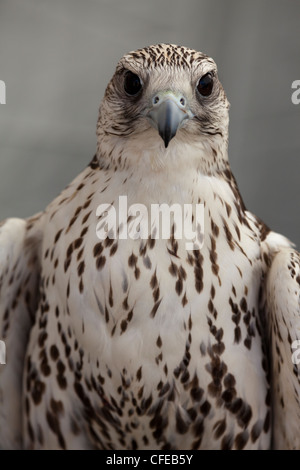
(167, 135)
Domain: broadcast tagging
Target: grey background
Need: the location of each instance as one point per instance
(56, 57)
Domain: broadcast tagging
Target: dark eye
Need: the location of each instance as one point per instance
(205, 84)
(132, 83)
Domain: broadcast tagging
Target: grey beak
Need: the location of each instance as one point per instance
(167, 114)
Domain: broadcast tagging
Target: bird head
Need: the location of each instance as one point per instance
(161, 98)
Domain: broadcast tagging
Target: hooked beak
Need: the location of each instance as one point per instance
(167, 114)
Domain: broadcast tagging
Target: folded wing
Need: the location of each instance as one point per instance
(20, 242)
(283, 314)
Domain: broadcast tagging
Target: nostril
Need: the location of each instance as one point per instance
(156, 99)
(182, 101)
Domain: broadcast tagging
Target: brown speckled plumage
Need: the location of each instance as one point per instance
(143, 344)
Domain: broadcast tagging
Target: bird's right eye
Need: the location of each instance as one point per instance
(132, 83)
(205, 84)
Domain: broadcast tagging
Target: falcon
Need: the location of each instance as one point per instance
(139, 342)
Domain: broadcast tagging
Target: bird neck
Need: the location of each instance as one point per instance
(147, 155)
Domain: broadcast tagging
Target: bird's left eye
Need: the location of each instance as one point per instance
(132, 83)
(205, 84)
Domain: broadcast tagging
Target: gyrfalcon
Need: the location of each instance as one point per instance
(147, 342)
